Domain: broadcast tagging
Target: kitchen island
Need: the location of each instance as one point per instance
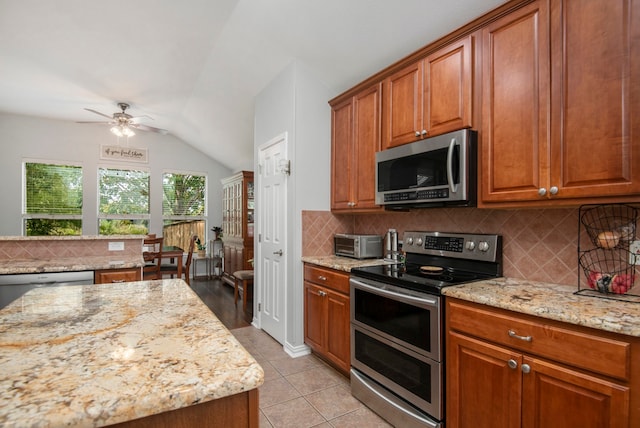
(146, 353)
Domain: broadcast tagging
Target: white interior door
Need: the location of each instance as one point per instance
(272, 237)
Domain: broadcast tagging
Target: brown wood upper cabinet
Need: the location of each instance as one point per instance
(560, 104)
(355, 140)
(429, 97)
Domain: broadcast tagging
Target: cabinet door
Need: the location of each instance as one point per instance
(596, 100)
(483, 391)
(341, 155)
(315, 317)
(515, 103)
(338, 330)
(230, 265)
(366, 140)
(448, 88)
(555, 396)
(402, 107)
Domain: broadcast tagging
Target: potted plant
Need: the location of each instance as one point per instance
(202, 248)
(217, 232)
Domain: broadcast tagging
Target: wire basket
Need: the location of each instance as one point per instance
(608, 271)
(610, 226)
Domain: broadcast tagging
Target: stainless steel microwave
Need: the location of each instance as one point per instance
(437, 171)
(357, 246)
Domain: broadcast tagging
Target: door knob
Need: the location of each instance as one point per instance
(279, 252)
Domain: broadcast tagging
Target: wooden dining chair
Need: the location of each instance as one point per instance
(152, 254)
(181, 267)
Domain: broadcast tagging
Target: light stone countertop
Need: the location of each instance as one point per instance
(97, 355)
(547, 300)
(342, 263)
(67, 264)
(552, 301)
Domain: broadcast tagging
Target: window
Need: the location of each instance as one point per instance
(123, 201)
(183, 207)
(52, 199)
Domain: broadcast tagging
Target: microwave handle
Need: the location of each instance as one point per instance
(452, 185)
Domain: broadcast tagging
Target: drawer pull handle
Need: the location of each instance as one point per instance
(117, 281)
(516, 336)
(322, 278)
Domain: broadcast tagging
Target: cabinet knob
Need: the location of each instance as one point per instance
(512, 364)
(417, 133)
(542, 191)
(526, 368)
(322, 278)
(553, 190)
(322, 293)
(424, 132)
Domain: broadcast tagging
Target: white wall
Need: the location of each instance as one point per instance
(24, 137)
(297, 103)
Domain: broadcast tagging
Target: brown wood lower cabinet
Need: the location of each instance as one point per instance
(326, 315)
(235, 411)
(108, 276)
(510, 370)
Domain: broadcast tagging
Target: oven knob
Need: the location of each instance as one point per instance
(419, 242)
(410, 241)
(483, 246)
(471, 245)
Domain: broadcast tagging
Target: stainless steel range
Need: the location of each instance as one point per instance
(397, 342)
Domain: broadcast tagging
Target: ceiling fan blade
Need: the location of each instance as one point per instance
(149, 128)
(137, 119)
(101, 114)
(91, 121)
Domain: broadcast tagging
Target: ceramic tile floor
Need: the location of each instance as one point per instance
(302, 392)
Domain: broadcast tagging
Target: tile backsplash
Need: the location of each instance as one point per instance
(538, 244)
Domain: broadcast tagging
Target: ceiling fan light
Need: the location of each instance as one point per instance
(116, 130)
(128, 132)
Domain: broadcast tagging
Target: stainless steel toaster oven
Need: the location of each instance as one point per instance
(358, 246)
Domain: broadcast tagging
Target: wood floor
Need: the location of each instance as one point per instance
(218, 296)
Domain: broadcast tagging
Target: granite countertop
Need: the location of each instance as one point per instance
(65, 264)
(552, 301)
(71, 238)
(342, 263)
(546, 300)
(97, 355)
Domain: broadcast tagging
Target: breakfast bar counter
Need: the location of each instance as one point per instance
(97, 355)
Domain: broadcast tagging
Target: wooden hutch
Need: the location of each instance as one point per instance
(237, 223)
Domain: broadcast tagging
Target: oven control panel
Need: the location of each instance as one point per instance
(484, 247)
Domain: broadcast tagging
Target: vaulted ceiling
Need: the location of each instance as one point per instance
(195, 66)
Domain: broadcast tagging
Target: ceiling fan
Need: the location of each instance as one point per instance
(122, 123)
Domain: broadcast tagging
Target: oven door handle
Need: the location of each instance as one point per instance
(452, 186)
(405, 297)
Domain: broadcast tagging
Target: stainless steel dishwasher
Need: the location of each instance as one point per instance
(14, 286)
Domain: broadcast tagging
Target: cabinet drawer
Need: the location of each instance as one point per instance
(108, 276)
(330, 278)
(560, 343)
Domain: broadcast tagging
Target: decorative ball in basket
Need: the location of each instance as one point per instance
(607, 265)
(610, 226)
(608, 271)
